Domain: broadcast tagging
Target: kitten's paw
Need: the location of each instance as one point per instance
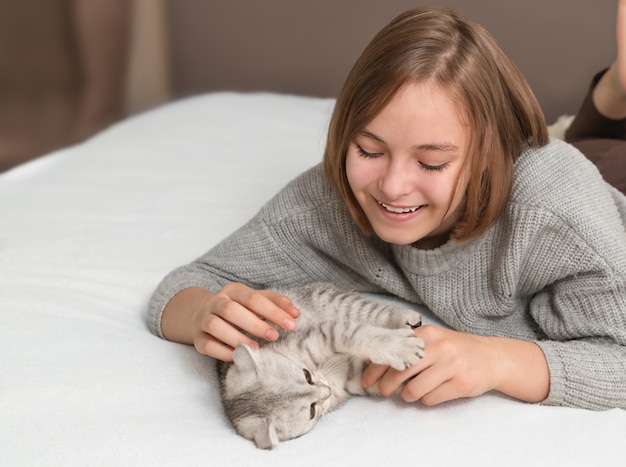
(406, 317)
(402, 349)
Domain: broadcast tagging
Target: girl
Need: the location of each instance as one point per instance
(439, 185)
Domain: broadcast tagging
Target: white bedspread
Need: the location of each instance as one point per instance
(88, 232)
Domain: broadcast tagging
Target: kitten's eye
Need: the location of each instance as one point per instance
(312, 415)
(307, 376)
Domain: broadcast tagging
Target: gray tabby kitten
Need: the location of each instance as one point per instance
(279, 391)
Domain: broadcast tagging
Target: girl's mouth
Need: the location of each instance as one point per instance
(398, 210)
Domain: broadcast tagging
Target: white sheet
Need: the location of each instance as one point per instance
(85, 236)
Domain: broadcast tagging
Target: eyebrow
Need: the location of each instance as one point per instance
(444, 146)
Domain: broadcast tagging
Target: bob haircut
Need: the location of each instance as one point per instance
(437, 45)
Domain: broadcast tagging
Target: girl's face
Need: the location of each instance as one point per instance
(404, 167)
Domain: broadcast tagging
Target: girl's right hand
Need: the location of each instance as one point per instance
(215, 322)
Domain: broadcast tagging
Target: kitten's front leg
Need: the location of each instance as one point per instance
(398, 348)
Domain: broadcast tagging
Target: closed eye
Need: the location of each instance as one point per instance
(368, 155)
(307, 376)
(373, 155)
(433, 168)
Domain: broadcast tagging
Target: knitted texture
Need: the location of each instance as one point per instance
(551, 270)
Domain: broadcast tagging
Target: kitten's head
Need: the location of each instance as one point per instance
(270, 397)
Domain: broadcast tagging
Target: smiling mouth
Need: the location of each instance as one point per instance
(398, 210)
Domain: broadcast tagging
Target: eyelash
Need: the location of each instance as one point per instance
(374, 155)
(368, 155)
(434, 168)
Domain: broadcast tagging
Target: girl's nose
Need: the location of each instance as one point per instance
(397, 181)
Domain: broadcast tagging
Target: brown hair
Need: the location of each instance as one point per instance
(438, 45)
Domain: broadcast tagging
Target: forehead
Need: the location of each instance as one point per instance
(427, 99)
(421, 114)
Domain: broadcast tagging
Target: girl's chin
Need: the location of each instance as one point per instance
(397, 238)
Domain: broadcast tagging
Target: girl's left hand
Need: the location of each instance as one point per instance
(459, 365)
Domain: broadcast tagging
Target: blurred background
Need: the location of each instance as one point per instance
(71, 68)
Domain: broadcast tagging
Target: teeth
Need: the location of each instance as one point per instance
(398, 210)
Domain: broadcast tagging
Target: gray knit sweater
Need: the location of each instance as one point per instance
(551, 270)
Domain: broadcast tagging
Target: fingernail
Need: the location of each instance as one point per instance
(271, 334)
(365, 383)
(289, 324)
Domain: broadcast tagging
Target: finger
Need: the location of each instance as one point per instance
(442, 393)
(394, 379)
(224, 332)
(426, 385)
(260, 304)
(208, 345)
(234, 313)
(283, 302)
(216, 349)
(372, 373)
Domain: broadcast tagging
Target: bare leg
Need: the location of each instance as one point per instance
(609, 96)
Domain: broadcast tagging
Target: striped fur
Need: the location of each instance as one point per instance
(279, 391)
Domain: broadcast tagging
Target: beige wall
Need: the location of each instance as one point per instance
(69, 68)
(308, 47)
(62, 73)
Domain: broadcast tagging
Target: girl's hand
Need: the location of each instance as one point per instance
(215, 322)
(459, 365)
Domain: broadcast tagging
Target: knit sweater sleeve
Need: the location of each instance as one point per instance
(583, 318)
(304, 234)
(250, 256)
(579, 266)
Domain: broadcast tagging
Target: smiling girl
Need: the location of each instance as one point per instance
(439, 186)
(404, 165)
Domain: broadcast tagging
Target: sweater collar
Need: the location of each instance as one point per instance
(436, 261)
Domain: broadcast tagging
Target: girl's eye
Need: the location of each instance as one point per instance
(433, 168)
(307, 376)
(373, 155)
(369, 155)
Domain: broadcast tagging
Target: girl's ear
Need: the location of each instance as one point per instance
(246, 358)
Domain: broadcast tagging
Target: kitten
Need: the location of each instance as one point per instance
(279, 391)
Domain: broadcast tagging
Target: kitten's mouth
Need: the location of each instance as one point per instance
(399, 210)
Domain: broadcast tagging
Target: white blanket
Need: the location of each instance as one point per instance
(85, 236)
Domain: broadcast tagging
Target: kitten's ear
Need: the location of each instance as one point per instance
(265, 435)
(261, 430)
(245, 358)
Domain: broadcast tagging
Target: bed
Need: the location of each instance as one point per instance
(86, 233)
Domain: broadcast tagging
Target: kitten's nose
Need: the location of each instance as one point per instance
(325, 392)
